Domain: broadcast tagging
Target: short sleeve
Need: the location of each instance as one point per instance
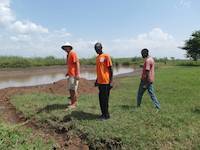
(74, 57)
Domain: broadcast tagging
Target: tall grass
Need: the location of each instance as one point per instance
(22, 62)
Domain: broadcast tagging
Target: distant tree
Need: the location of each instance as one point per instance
(172, 58)
(192, 46)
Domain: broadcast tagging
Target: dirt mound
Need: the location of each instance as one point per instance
(58, 132)
(9, 113)
(58, 88)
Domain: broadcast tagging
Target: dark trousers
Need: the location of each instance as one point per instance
(104, 93)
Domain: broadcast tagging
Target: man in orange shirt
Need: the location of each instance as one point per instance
(104, 79)
(147, 79)
(73, 72)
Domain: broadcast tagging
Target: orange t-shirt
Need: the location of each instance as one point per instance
(148, 65)
(103, 62)
(72, 59)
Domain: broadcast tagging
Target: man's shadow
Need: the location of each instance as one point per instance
(52, 107)
(128, 107)
(80, 115)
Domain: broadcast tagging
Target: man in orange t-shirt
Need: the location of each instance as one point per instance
(73, 72)
(104, 79)
(147, 79)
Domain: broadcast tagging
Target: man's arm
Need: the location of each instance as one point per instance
(146, 81)
(78, 70)
(110, 74)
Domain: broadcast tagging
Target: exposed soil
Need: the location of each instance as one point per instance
(9, 113)
(60, 134)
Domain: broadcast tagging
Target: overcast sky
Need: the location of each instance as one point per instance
(40, 27)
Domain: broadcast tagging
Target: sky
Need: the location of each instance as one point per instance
(38, 28)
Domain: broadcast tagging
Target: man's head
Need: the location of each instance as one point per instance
(98, 48)
(145, 52)
(67, 47)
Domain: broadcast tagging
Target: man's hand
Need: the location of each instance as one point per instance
(145, 86)
(96, 84)
(66, 75)
(111, 84)
(78, 77)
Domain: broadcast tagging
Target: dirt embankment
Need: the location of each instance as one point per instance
(10, 114)
(58, 88)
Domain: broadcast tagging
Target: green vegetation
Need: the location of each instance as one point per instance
(15, 137)
(192, 46)
(176, 126)
(188, 63)
(22, 62)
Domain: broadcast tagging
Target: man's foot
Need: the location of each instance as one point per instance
(66, 109)
(157, 110)
(69, 103)
(101, 117)
(104, 117)
(138, 106)
(107, 116)
(72, 106)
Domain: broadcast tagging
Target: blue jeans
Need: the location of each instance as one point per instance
(150, 90)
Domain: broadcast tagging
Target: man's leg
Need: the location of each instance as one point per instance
(140, 93)
(69, 88)
(106, 101)
(101, 98)
(73, 97)
(153, 96)
(73, 91)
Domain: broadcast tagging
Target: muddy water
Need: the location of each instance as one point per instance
(31, 77)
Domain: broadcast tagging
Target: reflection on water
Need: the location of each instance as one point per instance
(30, 80)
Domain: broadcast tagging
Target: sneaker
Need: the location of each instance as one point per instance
(102, 117)
(107, 116)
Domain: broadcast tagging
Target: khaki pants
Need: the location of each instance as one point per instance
(73, 84)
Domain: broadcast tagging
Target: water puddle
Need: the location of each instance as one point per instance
(46, 78)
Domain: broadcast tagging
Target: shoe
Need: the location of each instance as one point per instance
(107, 116)
(103, 117)
(138, 106)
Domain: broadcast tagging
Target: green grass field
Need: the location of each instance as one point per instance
(176, 126)
(17, 138)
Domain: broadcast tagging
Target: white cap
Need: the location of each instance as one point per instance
(67, 44)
